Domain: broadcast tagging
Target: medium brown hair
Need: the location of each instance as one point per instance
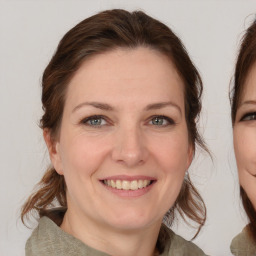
(245, 60)
(100, 33)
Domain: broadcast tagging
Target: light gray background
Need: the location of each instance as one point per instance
(29, 33)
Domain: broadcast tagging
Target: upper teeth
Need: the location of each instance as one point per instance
(127, 185)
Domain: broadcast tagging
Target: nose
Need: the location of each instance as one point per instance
(130, 147)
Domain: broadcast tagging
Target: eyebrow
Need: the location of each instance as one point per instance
(162, 105)
(107, 107)
(248, 102)
(98, 105)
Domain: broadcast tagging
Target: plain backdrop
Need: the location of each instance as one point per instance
(29, 33)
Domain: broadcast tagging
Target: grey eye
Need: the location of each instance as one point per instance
(95, 121)
(249, 117)
(158, 121)
(161, 121)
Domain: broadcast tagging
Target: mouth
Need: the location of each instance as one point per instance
(127, 184)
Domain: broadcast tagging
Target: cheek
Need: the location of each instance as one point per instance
(245, 149)
(82, 155)
(172, 154)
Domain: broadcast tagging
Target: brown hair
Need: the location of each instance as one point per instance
(103, 32)
(245, 60)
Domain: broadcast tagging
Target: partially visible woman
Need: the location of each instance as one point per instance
(244, 130)
(121, 98)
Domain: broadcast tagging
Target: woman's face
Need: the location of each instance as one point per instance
(123, 146)
(245, 137)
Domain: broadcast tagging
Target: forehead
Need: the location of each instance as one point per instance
(249, 91)
(127, 73)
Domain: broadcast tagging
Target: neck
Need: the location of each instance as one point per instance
(112, 241)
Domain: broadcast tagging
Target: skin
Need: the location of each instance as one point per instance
(245, 137)
(129, 87)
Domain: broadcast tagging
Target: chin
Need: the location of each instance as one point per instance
(131, 220)
(131, 225)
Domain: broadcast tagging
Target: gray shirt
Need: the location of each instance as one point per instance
(243, 245)
(48, 239)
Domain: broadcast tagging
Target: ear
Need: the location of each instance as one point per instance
(53, 149)
(190, 155)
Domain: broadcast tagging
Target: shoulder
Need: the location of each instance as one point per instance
(36, 242)
(242, 244)
(49, 239)
(46, 239)
(181, 247)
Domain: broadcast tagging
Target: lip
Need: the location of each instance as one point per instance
(128, 177)
(129, 193)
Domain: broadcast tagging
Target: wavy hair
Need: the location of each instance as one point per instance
(245, 60)
(97, 34)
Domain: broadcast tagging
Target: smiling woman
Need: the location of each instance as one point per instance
(244, 124)
(121, 98)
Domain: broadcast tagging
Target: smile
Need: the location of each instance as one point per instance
(127, 185)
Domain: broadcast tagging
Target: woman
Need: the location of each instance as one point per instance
(244, 124)
(121, 98)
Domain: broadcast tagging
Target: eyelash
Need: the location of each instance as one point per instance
(251, 116)
(165, 118)
(95, 117)
(86, 121)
